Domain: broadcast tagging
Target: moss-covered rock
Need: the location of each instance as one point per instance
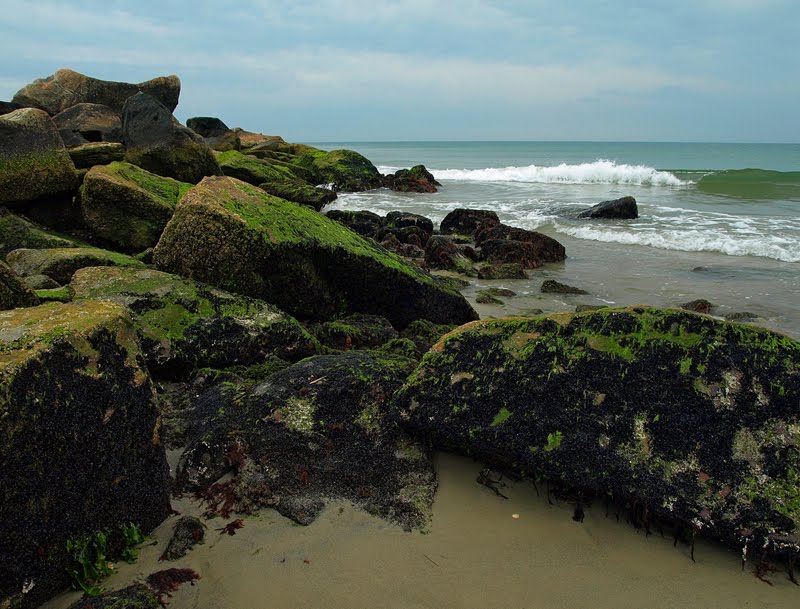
(416, 179)
(235, 236)
(344, 170)
(185, 325)
(16, 232)
(60, 263)
(365, 223)
(33, 160)
(358, 331)
(67, 88)
(128, 206)
(691, 419)
(80, 449)
(314, 431)
(251, 169)
(299, 192)
(156, 141)
(88, 155)
(60, 294)
(13, 292)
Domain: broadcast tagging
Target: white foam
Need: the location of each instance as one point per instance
(599, 172)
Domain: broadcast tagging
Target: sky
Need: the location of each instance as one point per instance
(374, 70)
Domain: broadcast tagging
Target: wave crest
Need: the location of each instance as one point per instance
(599, 172)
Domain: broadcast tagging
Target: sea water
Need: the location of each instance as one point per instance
(716, 221)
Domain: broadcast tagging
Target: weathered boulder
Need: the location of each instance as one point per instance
(80, 450)
(506, 270)
(357, 331)
(442, 253)
(365, 223)
(67, 88)
(552, 286)
(13, 292)
(681, 416)
(92, 122)
(17, 232)
(185, 325)
(502, 244)
(467, 221)
(250, 169)
(618, 209)
(300, 192)
(128, 206)
(85, 156)
(33, 161)
(156, 141)
(216, 133)
(314, 431)
(344, 170)
(60, 263)
(416, 179)
(235, 236)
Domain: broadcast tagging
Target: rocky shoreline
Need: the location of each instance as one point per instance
(177, 287)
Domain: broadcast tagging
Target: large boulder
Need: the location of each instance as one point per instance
(13, 292)
(365, 223)
(86, 156)
(128, 206)
(467, 221)
(300, 192)
(16, 232)
(156, 141)
(216, 133)
(250, 169)
(80, 451)
(185, 325)
(443, 253)
(59, 263)
(67, 88)
(504, 244)
(235, 236)
(33, 161)
(317, 430)
(618, 209)
(344, 170)
(90, 122)
(681, 416)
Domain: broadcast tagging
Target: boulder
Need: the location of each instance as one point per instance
(506, 270)
(365, 223)
(235, 236)
(299, 192)
(40, 282)
(250, 169)
(86, 156)
(67, 88)
(442, 253)
(357, 331)
(33, 161)
(467, 221)
(6, 107)
(156, 141)
(13, 291)
(344, 170)
(552, 286)
(185, 325)
(92, 122)
(59, 263)
(678, 415)
(315, 431)
(501, 244)
(618, 209)
(17, 232)
(81, 450)
(416, 179)
(216, 133)
(408, 228)
(127, 206)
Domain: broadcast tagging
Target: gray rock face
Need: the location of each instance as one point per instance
(156, 141)
(618, 209)
(91, 122)
(67, 88)
(33, 161)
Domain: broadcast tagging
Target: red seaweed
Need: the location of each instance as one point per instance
(231, 527)
(165, 582)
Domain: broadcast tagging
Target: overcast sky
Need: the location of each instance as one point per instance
(356, 70)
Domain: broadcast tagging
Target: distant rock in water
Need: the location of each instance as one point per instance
(416, 179)
(554, 287)
(618, 209)
(67, 88)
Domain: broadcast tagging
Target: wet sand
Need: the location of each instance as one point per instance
(475, 555)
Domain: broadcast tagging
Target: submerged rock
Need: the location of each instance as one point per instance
(507, 270)
(66, 88)
(81, 450)
(33, 161)
(551, 286)
(186, 325)
(314, 431)
(692, 419)
(237, 237)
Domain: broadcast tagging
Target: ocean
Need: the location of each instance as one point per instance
(716, 221)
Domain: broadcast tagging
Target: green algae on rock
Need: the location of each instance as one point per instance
(691, 419)
(345, 170)
(235, 236)
(128, 206)
(60, 263)
(250, 169)
(33, 161)
(185, 325)
(80, 449)
(13, 292)
(16, 232)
